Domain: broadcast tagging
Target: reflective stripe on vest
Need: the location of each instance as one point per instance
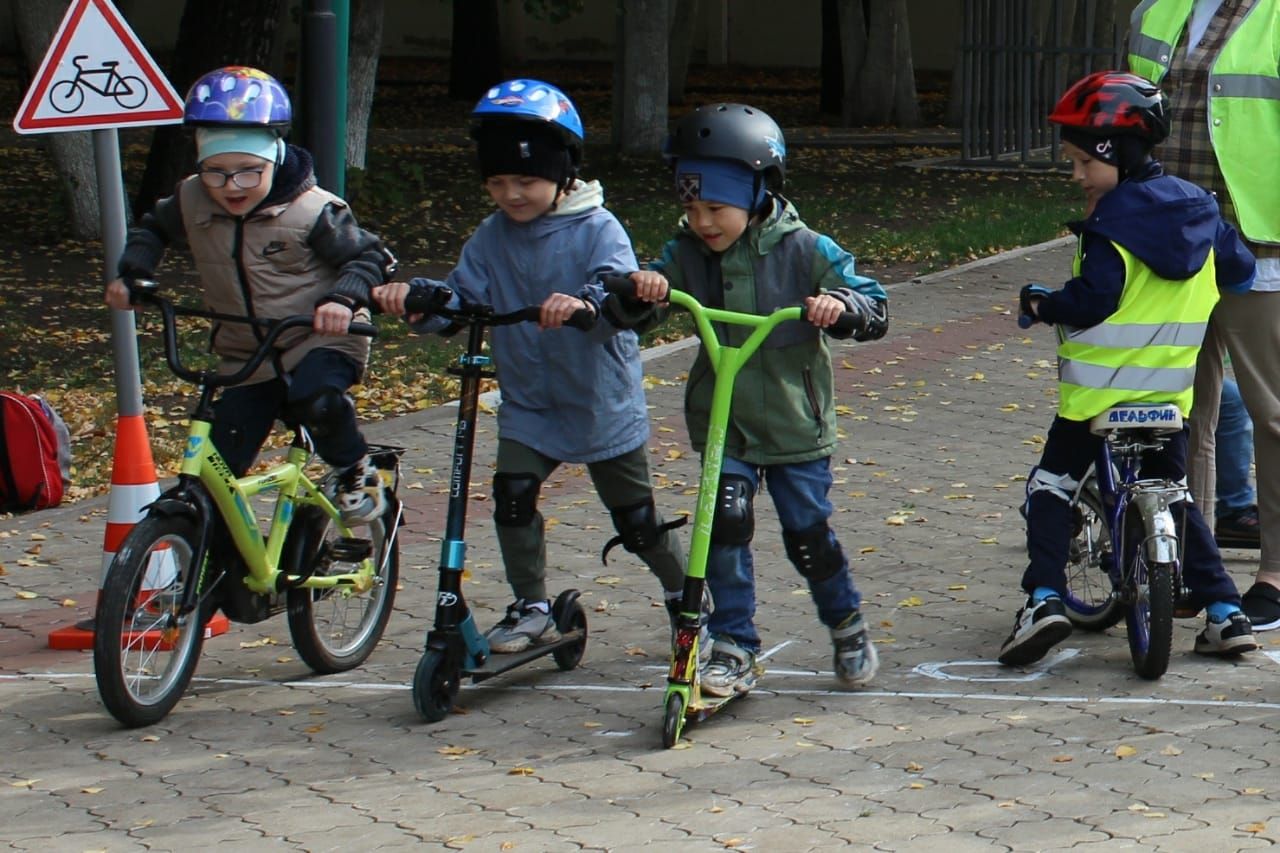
(1243, 100)
(1143, 353)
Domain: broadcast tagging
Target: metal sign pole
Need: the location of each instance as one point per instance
(111, 211)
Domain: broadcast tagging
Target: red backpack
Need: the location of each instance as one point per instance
(35, 454)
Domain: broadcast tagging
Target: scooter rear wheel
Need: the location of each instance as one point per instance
(435, 686)
(570, 617)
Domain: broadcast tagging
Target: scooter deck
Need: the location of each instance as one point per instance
(500, 663)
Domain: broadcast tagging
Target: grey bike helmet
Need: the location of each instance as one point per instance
(734, 132)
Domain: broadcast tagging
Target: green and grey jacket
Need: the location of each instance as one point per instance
(783, 408)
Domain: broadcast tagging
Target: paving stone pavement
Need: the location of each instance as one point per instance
(940, 422)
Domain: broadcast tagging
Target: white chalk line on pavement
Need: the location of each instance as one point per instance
(318, 684)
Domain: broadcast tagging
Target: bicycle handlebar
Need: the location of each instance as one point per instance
(144, 291)
(622, 286)
(423, 300)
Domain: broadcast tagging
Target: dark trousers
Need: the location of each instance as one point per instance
(245, 414)
(1069, 449)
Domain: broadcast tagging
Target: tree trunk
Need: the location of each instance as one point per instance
(640, 90)
(832, 68)
(853, 53)
(475, 54)
(211, 34)
(684, 17)
(72, 153)
(886, 88)
(362, 72)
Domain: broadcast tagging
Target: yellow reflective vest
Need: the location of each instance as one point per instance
(1146, 351)
(1243, 101)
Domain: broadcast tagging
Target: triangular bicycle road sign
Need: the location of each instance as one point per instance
(96, 75)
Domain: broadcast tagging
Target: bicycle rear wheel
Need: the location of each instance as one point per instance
(336, 629)
(144, 650)
(1090, 600)
(1149, 593)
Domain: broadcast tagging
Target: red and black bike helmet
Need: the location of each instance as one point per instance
(1112, 104)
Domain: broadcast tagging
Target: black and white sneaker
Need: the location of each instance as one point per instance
(1039, 627)
(1232, 636)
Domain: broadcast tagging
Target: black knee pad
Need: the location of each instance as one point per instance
(515, 499)
(815, 553)
(638, 526)
(735, 520)
(323, 412)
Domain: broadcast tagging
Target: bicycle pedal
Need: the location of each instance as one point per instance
(350, 550)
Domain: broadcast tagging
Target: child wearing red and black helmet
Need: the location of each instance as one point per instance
(268, 242)
(1151, 257)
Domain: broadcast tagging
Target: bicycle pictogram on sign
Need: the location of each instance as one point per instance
(67, 96)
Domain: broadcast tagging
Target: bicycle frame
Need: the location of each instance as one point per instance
(231, 497)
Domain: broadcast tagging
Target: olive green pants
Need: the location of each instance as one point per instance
(622, 481)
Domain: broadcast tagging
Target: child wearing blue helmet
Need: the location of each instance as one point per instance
(566, 396)
(268, 242)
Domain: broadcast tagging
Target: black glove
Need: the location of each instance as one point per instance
(1030, 291)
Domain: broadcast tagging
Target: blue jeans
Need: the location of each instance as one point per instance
(799, 492)
(1234, 441)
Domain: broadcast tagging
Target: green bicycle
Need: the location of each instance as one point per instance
(200, 548)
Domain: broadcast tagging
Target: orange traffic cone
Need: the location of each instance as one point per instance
(133, 487)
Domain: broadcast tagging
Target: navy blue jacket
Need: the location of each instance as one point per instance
(1168, 223)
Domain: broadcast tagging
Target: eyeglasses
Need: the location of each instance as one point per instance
(245, 179)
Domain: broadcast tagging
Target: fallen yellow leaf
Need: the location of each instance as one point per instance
(1124, 751)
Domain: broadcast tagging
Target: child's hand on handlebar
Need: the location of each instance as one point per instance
(332, 318)
(650, 286)
(390, 298)
(823, 310)
(117, 296)
(558, 308)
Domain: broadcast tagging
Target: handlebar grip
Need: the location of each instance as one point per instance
(366, 330)
(139, 289)
(583, 318)
(426, 300)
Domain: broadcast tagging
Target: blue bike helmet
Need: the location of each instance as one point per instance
(526, 101)
(238, 96)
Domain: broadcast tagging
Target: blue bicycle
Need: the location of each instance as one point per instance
(1125, 560)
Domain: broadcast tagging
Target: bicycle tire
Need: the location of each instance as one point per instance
(66, 96)
(1090, 600)
(1150, 595)
(134, 95)
(143, 665)
(332, 631)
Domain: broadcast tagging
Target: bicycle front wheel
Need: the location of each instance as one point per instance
(336, 629)
(1150, 595)
(144, 650)
(1090, 600)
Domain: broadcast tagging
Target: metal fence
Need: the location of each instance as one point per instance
(1017, 56)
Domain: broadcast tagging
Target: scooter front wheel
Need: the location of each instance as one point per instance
(673, 720)
(435, 686)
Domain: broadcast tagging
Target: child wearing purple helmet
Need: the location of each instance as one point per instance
(268, 242)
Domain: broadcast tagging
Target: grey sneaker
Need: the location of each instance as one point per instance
(855, 659)
(731, 670)
(1038, 627)
(704, 636)
(526, 624)
(1231, 636)
(360, 497)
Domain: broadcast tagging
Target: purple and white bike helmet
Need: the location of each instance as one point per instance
(238, 96)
